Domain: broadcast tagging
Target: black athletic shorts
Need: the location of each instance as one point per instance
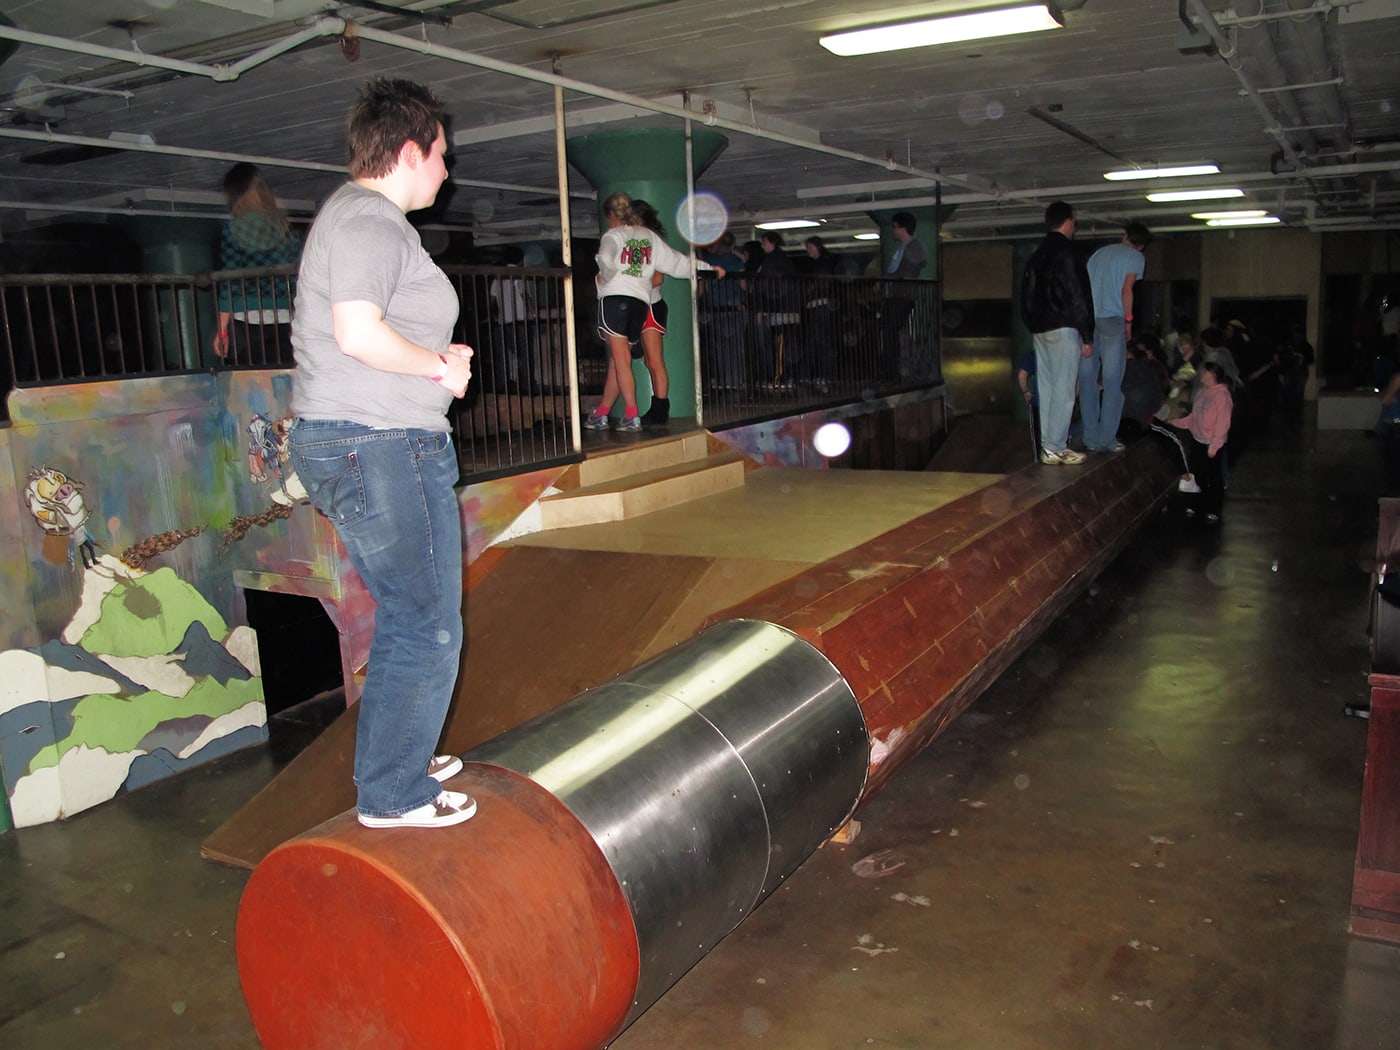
(622, 315)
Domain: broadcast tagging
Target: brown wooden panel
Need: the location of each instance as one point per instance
(1375, 895)
(1378, 839)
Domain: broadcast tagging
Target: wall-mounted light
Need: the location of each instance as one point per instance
(786, 224)
(1192, 195)
(1129, 174)
(950, 29)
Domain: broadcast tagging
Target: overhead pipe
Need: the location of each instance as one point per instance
(115, 54)
(1212, 27)
(210, 154)
(1307, 37)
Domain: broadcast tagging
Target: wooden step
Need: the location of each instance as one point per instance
(599, 469)
(633, 495)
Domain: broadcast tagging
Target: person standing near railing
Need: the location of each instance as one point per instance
(376, 371)
(774, 300)
(906, 264)
(255, 314)
(722, 316)
(819, 336)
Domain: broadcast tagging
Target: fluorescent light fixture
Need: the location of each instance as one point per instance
(787, 224)
(1192, 195)
(1162, 173)
(867, 237)
(1243, 213)
(974, 25)
(1258, 220)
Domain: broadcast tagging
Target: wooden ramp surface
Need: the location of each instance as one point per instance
(558, 612)
(986, 443)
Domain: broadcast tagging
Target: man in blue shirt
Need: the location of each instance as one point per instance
(1113, 270)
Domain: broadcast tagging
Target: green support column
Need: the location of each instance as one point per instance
(650, 164)
(180, 246)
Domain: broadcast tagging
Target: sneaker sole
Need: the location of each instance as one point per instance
(446, 820)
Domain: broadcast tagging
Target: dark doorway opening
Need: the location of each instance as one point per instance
(299, 649)
(1273, 319)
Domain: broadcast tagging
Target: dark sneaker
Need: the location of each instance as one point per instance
(443, 767)
(450, 807)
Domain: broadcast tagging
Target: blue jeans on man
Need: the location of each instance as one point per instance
(389, 494)
(1102, 411)
(1057, 356)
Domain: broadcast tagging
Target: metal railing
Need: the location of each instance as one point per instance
(768, 346)
(773, 344)
(62, 329)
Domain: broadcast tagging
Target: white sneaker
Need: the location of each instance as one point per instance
(444, 767)
(450, 807)
(1188, 484)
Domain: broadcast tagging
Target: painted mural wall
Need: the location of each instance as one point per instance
(124, 655)
(137, 513)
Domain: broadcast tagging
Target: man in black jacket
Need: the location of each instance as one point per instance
(1057, 305)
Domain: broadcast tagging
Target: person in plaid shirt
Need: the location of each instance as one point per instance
(255, 314)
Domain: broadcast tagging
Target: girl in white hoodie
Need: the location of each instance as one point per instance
(629, 255)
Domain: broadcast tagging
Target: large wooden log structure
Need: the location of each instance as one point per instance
(524, 924)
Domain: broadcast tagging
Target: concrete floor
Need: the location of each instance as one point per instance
(1141, 836)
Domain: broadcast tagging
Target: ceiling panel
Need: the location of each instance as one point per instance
(1005, 124)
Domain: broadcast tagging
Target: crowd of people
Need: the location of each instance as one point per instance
(1209, 393)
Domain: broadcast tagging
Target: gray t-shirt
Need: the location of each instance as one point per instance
(362, 248)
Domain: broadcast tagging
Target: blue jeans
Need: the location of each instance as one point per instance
(1102, 413)
(389, 494)
(1056, 370)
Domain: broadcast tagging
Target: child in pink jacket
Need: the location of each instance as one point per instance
(1209, 424)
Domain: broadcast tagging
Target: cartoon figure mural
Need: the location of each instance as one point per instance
(269, 457)
(56, 501)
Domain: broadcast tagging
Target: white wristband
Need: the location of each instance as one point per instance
(442, 373)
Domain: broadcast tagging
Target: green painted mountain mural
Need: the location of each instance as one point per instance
(145, 680)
